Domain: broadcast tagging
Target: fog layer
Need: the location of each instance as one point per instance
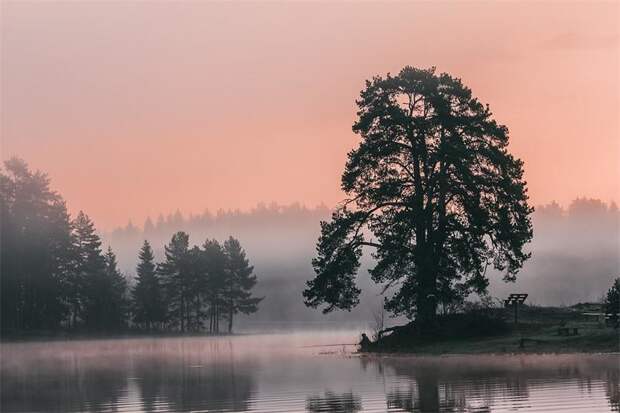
(575, 256)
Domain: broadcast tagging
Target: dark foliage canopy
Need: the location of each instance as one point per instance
(432, 190)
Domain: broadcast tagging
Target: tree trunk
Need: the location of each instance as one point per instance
(426, 318)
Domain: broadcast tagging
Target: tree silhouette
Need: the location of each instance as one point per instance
(147, 297)
(215, 288)
(35, 257)
(433, 190)
(102, 288)
(239, 283)
(55, 274)
(116, 299)
(612, 302)
(175, 274)
(86, 300)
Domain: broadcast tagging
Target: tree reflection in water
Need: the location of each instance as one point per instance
(477, 383)
(336, 403)
(223, 374)
(177, 376)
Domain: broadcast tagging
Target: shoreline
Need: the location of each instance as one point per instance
(406, 354)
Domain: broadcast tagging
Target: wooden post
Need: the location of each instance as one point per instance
(515, 300)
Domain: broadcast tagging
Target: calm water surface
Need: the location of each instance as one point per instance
(288, 373)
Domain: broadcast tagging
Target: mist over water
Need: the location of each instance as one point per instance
(575, 256)
(292, 373)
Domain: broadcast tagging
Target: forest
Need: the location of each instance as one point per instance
(57, 276)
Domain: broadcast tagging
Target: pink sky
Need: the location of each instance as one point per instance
(137, 108)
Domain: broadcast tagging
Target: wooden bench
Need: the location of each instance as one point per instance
(612, 319)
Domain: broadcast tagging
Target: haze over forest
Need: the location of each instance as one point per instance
(574, 254)
(135, 109)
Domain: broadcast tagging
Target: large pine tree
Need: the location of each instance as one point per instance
(148, 302)
(434, 192)
(239, 282)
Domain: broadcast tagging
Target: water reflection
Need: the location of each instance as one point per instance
(613, 388)
(272, 373)
(178, 377)
(491, 383)
(332, 402)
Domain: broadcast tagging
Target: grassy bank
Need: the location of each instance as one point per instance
(536, 332)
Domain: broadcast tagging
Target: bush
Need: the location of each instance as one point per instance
(474, 323)
(612, 302)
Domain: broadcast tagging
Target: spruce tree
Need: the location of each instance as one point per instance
(101, 288)
(84, 285)
(148, 304)
(116, 306)
(239, 282)
(175, 272)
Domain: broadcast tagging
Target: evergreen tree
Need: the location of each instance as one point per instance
(117, 299)
(197, 284)
(101, 290)
(612, 302)
(84, 293)
(175, 273)
(239, 282)
(36, 249)
(147, 296)
(215, 286)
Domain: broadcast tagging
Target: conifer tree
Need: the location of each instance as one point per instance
(90, 265)
(175, 272)
(36, 249)
(100, 288)
(239, 282)
(116, 297)
(215, 287)
(148, 304)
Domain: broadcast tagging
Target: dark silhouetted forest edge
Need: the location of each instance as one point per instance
(56, 277)
(492, 331)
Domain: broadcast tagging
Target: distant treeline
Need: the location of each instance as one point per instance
(56, 276)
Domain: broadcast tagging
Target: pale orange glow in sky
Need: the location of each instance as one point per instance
(137, 108)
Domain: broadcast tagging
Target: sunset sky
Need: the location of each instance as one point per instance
(140, 108)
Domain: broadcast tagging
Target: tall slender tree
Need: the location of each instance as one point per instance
(433, 190)
(90, 267)
(117, 294)
(175, 273)
(240, 280)
(147, 296)
(215, 264)
(101, 288)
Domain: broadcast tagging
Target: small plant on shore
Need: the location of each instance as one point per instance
(612, 302)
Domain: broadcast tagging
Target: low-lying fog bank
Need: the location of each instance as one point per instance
(575, 256)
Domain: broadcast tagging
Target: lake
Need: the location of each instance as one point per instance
(292, 372)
